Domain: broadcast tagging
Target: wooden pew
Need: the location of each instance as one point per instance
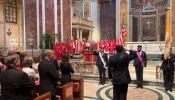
(46, 96)
(78, 88)
(65, 91)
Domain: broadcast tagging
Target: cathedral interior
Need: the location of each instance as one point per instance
(25, 23)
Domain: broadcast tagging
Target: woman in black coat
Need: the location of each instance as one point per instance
(66, 69)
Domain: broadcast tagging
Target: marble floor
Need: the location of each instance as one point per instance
(93, 91)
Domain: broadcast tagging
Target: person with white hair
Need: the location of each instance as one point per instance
(11, 51)
(27, 62)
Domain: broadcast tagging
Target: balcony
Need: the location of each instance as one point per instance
(78, 22)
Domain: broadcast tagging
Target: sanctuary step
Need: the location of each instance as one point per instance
(90, 72)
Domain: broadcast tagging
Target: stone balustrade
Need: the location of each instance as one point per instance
(76, 20)
(155, 47)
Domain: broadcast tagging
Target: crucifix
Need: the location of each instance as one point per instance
(148, 22)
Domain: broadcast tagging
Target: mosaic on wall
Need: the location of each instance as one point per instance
(151, 19)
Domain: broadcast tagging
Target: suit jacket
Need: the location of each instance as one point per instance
(144, 58)
(99, 62)
(119, 63)
(16, 85)
(169, 62)
(54, 61)
(48, 77)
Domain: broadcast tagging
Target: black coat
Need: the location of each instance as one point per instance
(16, 85)
(119, 64)
(165, 63)
(54, 61)
(144, 58)
(66, 71)
(48, 77)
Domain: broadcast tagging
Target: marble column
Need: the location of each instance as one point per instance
(90, 35)
(117, 19)
(30, 22)
(78, 31)
(94, 14)
(157, 26)
(130, 28)
(81, 35)
(66, 11)
(140, 26)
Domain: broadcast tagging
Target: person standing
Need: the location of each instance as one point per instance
(48, 75)
(70, 47)
(57, 51)
(139, 63)
(101, 63)
(66, 69)
(168, 71)
(121, 77)
(15, 84)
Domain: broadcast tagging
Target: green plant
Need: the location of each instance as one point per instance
(48, 43)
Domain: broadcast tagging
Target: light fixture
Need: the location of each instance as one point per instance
(9, 32)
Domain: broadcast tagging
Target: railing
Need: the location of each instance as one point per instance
(154, 47)
(81, 21)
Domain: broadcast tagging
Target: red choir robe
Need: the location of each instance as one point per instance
(111, 47)
(56, 49)
(70, 48)
(61, 50)
(64, 48)
(96, 46)
(114, 43)
(90, 46)
(84, 45)
(77, 47)
(102, 44)
(81, 46)
(106, 48)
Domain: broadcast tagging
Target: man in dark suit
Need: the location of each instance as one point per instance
(15, 84)
(102, 63)
(168, 71)
(48, 75)
(139, 67)
(121, 77)
(54, 61)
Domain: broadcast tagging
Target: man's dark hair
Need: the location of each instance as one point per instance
(119, 49)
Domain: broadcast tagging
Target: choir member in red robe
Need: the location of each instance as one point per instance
(114, 43)
(84, 45)
(96, 46)
(64, 48)
(70, 47)
(111, 47)
(101, 44)
(61, 49)
(106, 48)
(56, 48)
(77, 47)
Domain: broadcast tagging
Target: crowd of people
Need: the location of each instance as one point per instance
(118, 69)
(77, 47)
(20, 72)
